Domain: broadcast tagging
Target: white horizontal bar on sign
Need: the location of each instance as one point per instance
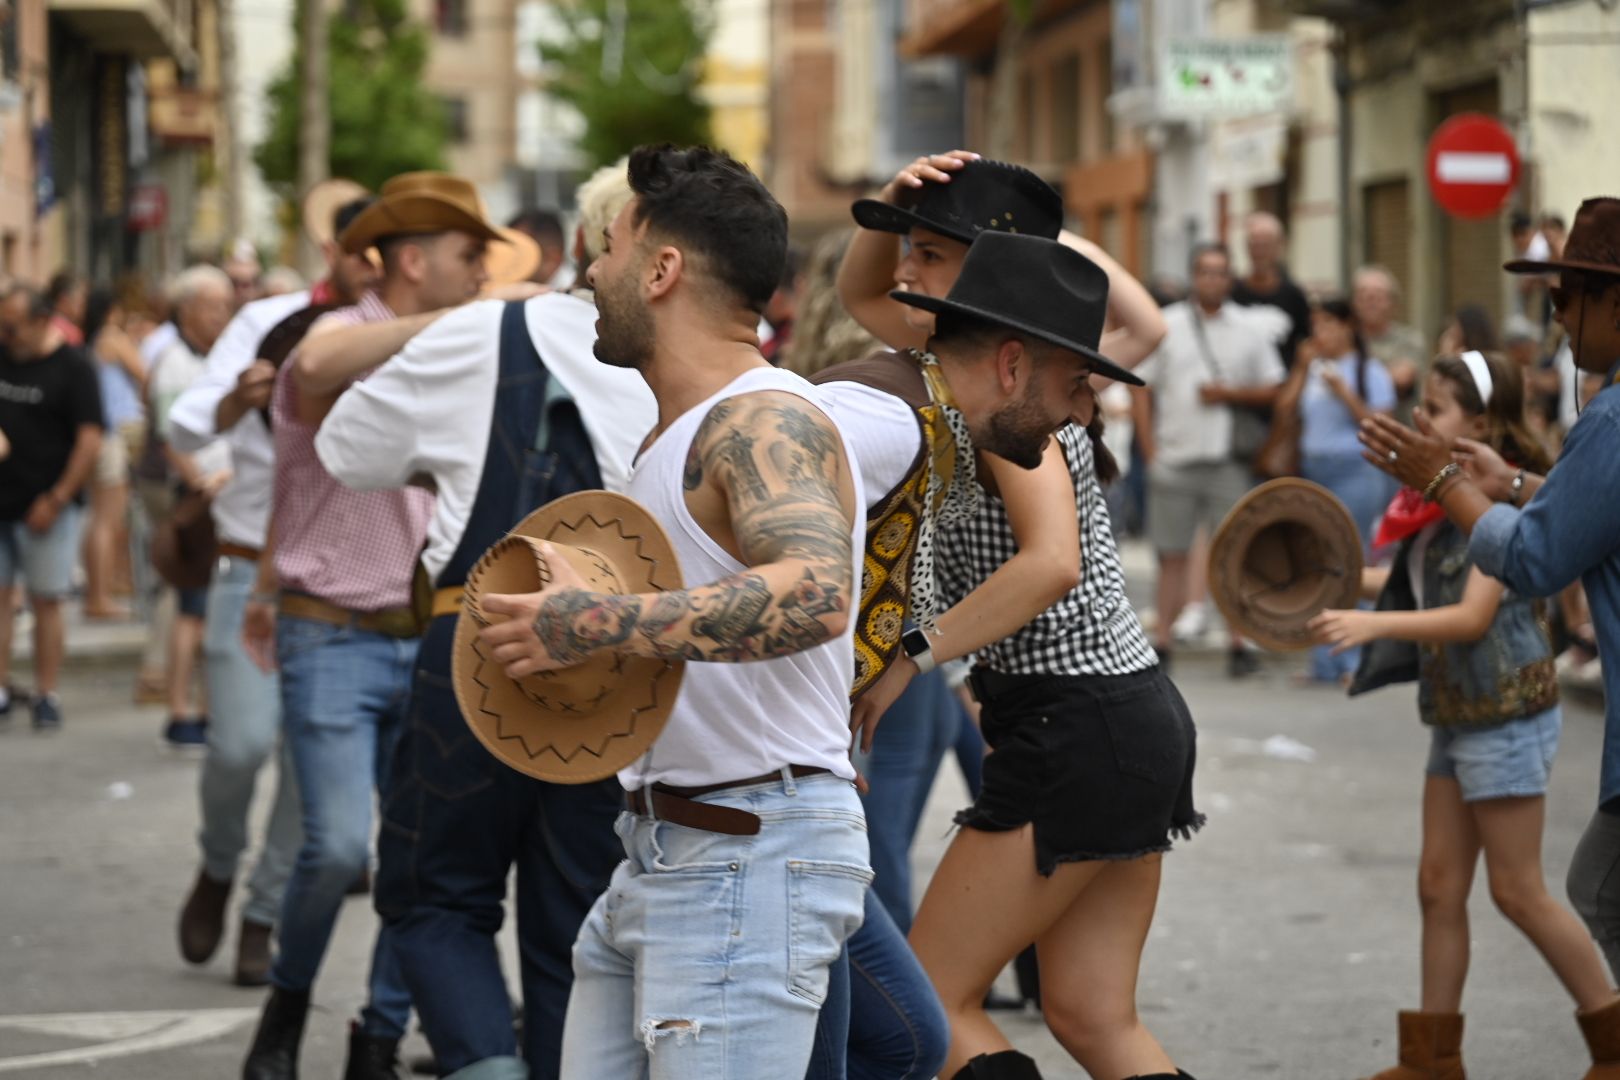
(1456, 167)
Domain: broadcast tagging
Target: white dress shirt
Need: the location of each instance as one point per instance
(428, 411)
(242, 508)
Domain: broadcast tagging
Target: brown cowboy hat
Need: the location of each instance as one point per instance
(515, 261)
(323, 202)
(418, 203)
(1288, 551)
(586, 722)
(1593, 246)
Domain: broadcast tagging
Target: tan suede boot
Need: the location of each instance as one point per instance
(1431, 1048)
(1602, 1030)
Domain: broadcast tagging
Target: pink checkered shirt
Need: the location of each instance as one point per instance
(355, 549)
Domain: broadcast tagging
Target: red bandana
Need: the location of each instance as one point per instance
(1408, 515)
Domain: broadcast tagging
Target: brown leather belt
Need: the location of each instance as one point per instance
(228, 550)
(677, 805)
(397, 622)
(447, 601)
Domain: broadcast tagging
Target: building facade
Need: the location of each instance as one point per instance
(30, 222)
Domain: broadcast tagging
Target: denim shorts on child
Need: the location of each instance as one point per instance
(1503, 761)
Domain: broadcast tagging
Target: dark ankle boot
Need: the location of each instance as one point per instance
(274, 1055)
(202, 919)
(371, 1057)
(1006, 1065)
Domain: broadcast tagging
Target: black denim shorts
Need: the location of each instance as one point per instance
(1102, 766)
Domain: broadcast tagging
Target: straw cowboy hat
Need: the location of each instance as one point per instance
(582, 723)
(512, 262)
(419, 203)
(322, 203)
(1288, 551)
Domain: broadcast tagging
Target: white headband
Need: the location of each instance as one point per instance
(1481, 371)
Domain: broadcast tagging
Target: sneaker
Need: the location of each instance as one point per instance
(186, 735)
(7, 696)
(47, 713)
(1241, 663)
(1191, 625)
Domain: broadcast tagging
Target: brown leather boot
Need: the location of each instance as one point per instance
(253, 954)
(1602, 1030)
(202, 920)
(1431, 1048)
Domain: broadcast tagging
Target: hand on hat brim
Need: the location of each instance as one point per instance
(1419, 454)
(511, 636)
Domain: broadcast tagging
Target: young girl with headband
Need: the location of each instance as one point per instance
(1488, 691)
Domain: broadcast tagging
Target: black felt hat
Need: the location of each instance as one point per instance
(1034, 286)
(982, 196)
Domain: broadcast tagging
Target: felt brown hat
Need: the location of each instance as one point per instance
(1288, 551)
(586, 722)
(419, 203)
(1593, 245)
(511, 262)
(323, 202)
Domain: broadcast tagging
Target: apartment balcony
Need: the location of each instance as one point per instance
(967, 28)
(1339, 11)
(143, 29)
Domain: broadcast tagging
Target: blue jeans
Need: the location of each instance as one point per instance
(343, 698)
(910, 743)
(709, 955)
(244, 728)
(1366, 493)
(455, 823)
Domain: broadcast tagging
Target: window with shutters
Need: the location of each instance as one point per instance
(1388, 216)
(1066, 110)
(1472, 252)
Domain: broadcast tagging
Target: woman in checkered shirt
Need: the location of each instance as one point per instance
(1090, 773)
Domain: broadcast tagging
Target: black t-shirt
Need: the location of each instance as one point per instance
(43, 403)
(1291, 299)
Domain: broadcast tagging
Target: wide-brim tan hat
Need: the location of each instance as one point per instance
(417, 204)
(1288, 551)
(512, 262)
(323, 202)
(581, 723)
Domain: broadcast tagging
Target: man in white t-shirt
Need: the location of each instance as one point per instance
(746, 869)
(443, 413)
(1206, 384)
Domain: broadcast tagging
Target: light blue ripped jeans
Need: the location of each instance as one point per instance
(708, 956)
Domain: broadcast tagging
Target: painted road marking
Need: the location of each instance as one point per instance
(119, 1034)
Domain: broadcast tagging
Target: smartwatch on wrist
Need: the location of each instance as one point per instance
(915, 643)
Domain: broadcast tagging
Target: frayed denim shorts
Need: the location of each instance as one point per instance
(1503, 761)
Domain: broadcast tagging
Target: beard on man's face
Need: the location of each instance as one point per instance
(625, 339)
(1018, 431)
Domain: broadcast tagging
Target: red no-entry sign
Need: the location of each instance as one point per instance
(1473, 165)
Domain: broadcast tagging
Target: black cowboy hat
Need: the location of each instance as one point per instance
(1593, 246)
(982, 196)
(1034, 286)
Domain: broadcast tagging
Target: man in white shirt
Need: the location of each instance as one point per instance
(1207, 386)
(450, 411)
(709, 955)
(225, 407)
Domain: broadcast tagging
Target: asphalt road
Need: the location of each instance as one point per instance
(1286, 938)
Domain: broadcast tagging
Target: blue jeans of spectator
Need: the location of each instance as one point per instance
(910, 742)
(244, 729)
(1366, 493)
(343, 697)
(456, 821)
(710, 955)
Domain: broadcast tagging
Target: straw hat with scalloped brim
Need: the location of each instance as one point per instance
(322, 204)
(582, 723)
(1288, 551)
(512, 262)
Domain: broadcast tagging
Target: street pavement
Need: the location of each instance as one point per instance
(1285, 942)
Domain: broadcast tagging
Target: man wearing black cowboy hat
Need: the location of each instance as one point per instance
(1537, 535)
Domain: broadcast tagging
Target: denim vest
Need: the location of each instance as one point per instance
(1506, 675)
(518, 476)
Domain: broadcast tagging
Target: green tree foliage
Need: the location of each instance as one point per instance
(384, 121)
(631, 68)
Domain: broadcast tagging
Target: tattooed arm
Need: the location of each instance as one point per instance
(773, 468)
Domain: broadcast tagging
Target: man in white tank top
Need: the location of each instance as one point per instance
(746, 848)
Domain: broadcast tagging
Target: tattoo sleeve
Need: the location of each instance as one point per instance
(778, 460)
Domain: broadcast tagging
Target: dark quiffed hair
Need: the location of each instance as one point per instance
(710, 204)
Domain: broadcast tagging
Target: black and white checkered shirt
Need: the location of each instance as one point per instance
(1091, 631)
